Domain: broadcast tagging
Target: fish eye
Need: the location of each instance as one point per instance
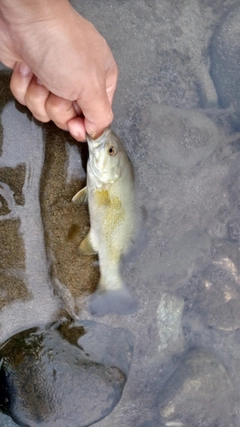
(112, 150)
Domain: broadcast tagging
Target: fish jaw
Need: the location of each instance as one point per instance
(103, 174)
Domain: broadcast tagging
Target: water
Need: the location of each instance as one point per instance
(177, 111)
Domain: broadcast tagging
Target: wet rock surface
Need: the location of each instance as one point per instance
(198, 392)
(177, 111)
(169, 313)
(215, 294)
(54, 377)
(225, 59)
(185, 138)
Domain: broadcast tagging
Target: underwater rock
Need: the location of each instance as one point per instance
(183, 137)
(6, 421)
(215, 295)
(150, 423)
(170, 324)
(198, 392)
(178, 263)
(54, 377)
(225, 57)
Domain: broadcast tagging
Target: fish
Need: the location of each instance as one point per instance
(110, 194)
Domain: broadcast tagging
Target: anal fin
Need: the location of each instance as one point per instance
(85, 247)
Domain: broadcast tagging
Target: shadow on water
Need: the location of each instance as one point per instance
(175, 362)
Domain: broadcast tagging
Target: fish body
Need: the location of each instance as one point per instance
(110, 195)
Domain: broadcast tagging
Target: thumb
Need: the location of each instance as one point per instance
(97, 112)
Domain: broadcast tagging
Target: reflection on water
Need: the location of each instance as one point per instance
(177, 111)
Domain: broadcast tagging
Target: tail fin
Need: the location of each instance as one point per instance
(119, 301)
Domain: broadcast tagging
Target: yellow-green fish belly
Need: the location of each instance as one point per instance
(112, 219)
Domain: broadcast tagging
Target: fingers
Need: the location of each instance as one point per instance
(95, 109)
(91, 113)
(45, 106)
(20, 80)
(111, 81)
(29, 91)
(60, 111)
(77, 129)
(36, 98)
(95, 104)
(101, 115)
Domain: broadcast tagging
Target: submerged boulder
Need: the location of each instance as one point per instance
(56, 377)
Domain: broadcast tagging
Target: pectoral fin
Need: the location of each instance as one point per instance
(85, 247)
(81, 197)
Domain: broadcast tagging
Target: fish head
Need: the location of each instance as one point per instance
(106, 156)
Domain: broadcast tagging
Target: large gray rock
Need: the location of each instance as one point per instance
(220, 296)
(225, 61)
(58, 378)
(6, 421)
(198, 393)
(183, 137)
(214, 295)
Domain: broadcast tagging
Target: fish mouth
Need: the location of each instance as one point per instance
(96, 142)
(96, 150)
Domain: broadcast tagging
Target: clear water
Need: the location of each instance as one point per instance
(177, 112)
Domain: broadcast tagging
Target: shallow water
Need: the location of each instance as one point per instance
(177, 112)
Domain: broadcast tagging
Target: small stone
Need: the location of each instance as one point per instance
(234, 229)
(170, 324)
(198, 393)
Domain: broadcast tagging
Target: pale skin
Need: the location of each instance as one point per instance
(63, 69)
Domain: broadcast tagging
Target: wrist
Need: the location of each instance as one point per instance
(21, 12)
(24, 25)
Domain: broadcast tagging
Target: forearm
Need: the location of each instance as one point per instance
(24, 23)
(20, 12)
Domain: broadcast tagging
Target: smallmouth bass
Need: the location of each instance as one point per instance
(110, 195)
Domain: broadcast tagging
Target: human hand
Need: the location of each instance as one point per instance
(63, 69)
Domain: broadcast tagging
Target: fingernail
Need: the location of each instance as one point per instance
(24, 70)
